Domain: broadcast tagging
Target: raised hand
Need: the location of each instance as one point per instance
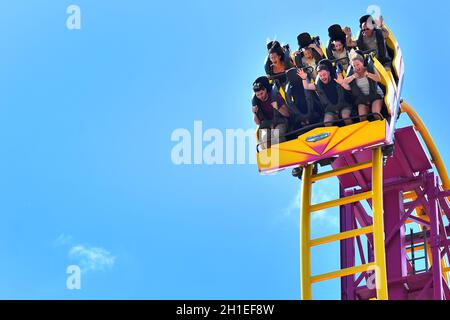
(347, 31)
(339, 79)
(302, 74)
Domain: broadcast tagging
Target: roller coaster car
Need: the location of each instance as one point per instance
(313, 144)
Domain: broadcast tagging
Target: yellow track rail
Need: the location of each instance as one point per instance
(425, 134)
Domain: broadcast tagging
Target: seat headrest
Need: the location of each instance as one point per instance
(274, 44)
(335, 32)
(293, 77)
(304, 39)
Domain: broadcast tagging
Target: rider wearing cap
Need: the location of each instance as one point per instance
(270, 112)
(371, 38)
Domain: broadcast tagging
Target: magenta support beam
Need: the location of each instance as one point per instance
(404, 216)
(363, 218)
(446, 292)
(435, 240)
(419, 221)
(360, 250)
(423, 294)
(445, 205)
(395, 248)
(446, 250)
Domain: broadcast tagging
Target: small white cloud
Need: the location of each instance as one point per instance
(92, 258)
(323, 217)
(63, 240)
(294, 206)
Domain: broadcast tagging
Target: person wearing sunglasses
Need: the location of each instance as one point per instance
(270, 113)
(370, 38)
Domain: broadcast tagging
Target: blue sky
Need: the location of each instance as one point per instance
(86, 118)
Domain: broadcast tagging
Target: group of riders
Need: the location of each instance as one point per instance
(311, 87)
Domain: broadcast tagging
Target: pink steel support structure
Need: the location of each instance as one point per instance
(422, 210)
